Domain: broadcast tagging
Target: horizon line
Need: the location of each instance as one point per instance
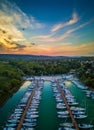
(47, 55)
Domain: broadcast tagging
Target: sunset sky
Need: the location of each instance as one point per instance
(47, 27)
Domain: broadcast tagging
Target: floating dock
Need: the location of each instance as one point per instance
(67, 106)
(26, 108)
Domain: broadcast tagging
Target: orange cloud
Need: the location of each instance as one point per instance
(56, 50)
(79, 50)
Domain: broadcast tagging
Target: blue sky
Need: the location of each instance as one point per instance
(47, 27)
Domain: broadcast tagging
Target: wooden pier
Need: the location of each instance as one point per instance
(68, 108)
(26, 108)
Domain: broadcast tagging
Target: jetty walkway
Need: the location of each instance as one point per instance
(26, 108)
(67, 106)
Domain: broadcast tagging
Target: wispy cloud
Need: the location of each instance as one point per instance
(68, 33)
(62, 25)
(20, 18)
(12, 22)
(57, 27)
(52, 39)
(45, 38)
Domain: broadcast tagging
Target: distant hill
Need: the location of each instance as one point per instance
(30, 56)
(37, 57)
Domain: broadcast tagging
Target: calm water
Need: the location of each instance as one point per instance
(83, 101)
(10, 105)
(47, 109)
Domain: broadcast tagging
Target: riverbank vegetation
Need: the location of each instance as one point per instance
(10, 80)
(86, 73)
(12, 70)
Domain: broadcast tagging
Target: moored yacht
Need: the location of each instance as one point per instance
(9, 128)
(30, 124)
(85, 126)
(66, 124)
(80, 116)
(63, 112)
(66, 128)
(63, 116)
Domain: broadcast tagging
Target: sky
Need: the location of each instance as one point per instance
(47, 27)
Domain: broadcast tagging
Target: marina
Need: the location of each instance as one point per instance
(25, 114)
(26, 109)
(68, 108)
(45, 101)
(46, 65)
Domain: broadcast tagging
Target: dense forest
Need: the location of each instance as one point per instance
(12, 70)
(10, 80)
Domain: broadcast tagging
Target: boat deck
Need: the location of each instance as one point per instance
(27, 106)
(68, 108)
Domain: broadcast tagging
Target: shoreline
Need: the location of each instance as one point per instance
(6, 97)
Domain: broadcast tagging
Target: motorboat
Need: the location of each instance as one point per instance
(63, 112)
(66, 124)
(29, 120)
(32, 112)
(16, 115)
(78, 112)
(58, 100)
(66, 128)
(27, 128)
(85, 126)
(32, 116)
(72, 103)
(32, 109)
(18, 112)
(61, 107)
(30, 124)
(13, 121)
(11, 125)
(79, 85)
(80, 116)
(9, 128)
(63, 116)
(77, 109)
